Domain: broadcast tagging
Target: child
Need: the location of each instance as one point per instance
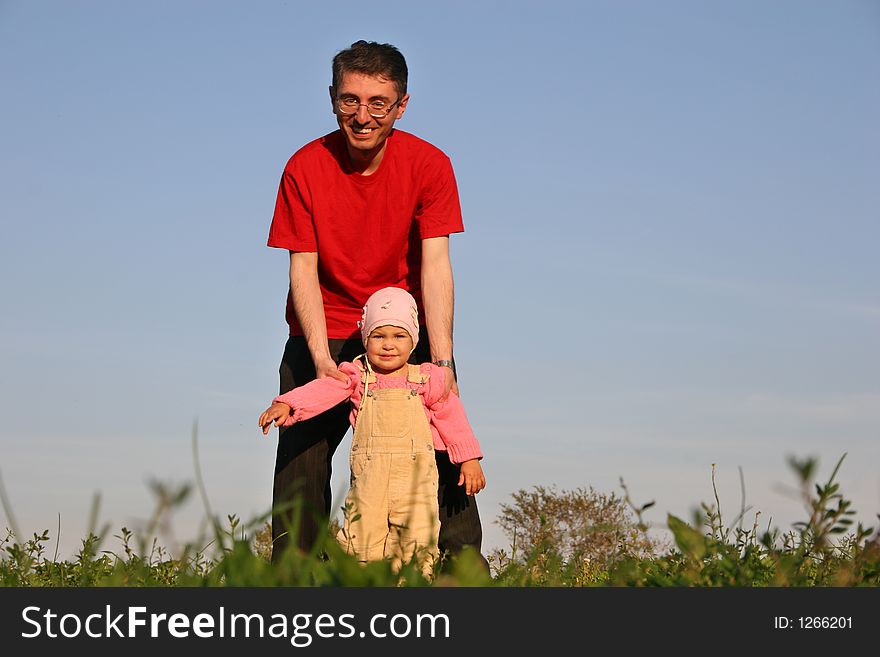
(391, 510)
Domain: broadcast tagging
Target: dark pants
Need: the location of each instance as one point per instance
(301, 494)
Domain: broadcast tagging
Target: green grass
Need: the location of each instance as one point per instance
(554, 542)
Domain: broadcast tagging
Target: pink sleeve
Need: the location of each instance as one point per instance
(319, 395)
(449, 419)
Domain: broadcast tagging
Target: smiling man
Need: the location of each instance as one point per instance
(362, 208)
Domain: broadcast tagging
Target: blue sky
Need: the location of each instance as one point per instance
(671, 215)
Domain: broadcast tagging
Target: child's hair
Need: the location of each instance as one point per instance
(390, 306)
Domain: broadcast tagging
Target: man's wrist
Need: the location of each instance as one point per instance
(446, 363)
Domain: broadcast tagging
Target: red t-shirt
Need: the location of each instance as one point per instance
(367, 230)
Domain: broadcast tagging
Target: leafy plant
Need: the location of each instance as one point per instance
(557, 538)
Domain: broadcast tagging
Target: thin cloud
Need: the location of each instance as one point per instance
(764, 291)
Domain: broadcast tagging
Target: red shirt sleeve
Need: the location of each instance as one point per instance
(439, 210)
(292, 225)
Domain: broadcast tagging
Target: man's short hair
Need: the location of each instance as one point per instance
(371, 58)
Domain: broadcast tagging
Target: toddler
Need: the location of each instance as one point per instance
(391, 510)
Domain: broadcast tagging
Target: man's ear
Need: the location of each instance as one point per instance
(401, 106)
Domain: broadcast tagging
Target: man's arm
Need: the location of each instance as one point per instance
(309, 306)
(439, 300)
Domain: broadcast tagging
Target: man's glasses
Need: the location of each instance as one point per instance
(378, 109)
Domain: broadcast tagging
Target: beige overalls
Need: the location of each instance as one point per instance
(391, 508)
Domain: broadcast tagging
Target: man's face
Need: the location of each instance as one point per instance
(365, 134)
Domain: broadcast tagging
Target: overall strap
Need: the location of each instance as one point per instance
(367, 378)
(414, 375)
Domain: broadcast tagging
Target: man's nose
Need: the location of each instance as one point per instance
(363, 115)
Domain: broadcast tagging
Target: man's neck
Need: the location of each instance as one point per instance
(366, 162)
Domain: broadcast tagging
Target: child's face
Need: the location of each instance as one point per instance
(388, 349)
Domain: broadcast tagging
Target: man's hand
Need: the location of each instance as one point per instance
(439, 300)
(449, 384)
(472, 477)
(277, 412)
(305, 291)
(327, 368)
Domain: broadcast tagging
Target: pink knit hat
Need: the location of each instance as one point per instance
(390, 306)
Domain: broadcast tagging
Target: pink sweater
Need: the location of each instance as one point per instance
(449, 425)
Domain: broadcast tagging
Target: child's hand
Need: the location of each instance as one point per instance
(472, 477)
(277, 412)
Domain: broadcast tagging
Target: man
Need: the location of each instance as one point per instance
(364, 207)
